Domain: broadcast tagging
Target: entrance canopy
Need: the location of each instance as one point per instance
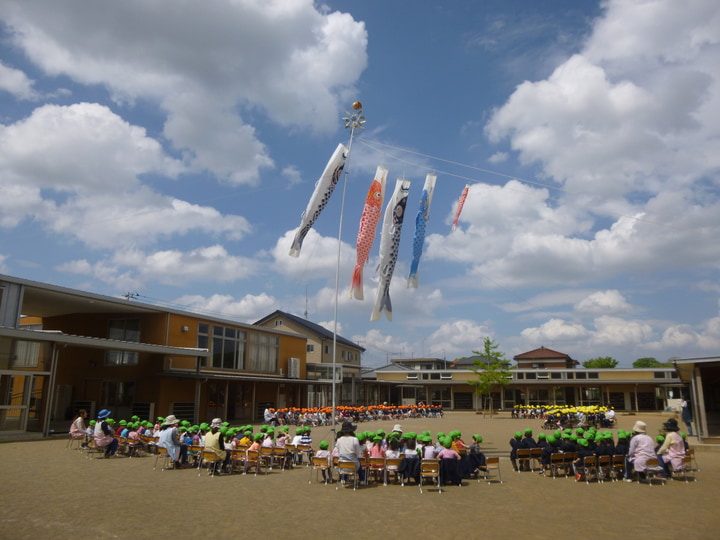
(702, 374)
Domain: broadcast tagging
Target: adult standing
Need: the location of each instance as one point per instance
(170, 440)
(642, 448)
(103, 435)
(686, 415)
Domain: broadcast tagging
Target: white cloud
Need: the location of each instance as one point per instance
(498, 157)
(138, 219)
(520, 239)
(556, 330)
(603, 302)
(3, 266)
(655, 31)
(17, 83)
(292, 175)
(204, 64)
(632, 111)
(18, 201)
(85, 147)
(130, 269)
(330, 325)
(546, 300)
(679, 337)
(87, 185)
(459, 338)
(249, 308)
(613, 331)
(318, 257)
(382, 345)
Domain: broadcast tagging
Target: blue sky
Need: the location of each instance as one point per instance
(169, 148)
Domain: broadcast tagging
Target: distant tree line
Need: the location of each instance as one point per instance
(605, 362)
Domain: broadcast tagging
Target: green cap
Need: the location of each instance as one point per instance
(324, 445)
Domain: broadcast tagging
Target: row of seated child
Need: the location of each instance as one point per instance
(592, 442)
(410, 448)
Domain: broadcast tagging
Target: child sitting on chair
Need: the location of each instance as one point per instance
(325, 453)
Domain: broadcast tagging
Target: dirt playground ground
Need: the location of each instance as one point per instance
(49, 492)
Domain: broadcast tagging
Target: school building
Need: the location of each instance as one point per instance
(63, 349)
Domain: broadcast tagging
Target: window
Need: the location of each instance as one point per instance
(203, 341)
(591, 394)
(278, 322)
(118, 394)
(27, 354)
(227, 345)
(327, 349)
(580, 375)
(264, 352)
(310, 347)
(123, 330)
(593, 375)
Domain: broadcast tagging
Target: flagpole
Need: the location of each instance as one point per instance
(353, 122)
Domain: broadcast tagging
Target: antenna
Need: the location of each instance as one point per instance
(306, 301)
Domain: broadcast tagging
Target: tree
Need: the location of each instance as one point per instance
(649, 362)
(601, 362)
(491, 369)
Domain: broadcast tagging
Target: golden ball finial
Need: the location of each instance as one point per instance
(357, 105)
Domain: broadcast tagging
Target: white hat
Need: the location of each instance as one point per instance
(640, 426)
(397, 428)
(170, 420)
(216, 422)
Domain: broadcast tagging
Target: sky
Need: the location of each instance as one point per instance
(167, 149)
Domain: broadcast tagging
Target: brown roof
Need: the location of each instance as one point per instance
(541, 353)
